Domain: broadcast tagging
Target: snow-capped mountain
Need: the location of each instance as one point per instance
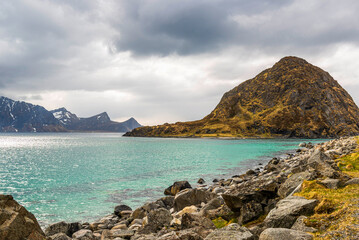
(65, 117)
(17, 116)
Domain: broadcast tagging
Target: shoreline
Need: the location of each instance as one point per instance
(242, 205)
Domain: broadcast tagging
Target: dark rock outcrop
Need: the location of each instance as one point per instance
(291, 99)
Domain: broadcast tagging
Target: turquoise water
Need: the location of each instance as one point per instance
(81, 176)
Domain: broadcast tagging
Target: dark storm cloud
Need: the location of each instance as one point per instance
(189, 27)
(184, 27)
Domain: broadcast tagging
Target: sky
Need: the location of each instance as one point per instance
(164, 60)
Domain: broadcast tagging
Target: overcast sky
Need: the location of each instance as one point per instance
(160, 60)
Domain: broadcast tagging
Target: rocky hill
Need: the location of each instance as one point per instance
(291, 99)
(16, 116)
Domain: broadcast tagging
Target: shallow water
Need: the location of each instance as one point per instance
(81, 176)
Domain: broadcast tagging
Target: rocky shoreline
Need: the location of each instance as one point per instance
(256, 205)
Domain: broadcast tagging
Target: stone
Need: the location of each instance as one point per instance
(201, 181)
(231, 232)
(63, 227)
(16, 223)
(285, 234)
(190, 209)
(299, 225)
(191, 221)
(288, 210)
(118, 209)
(318, 161)
(83, 234)
(166, 202)
(330, 183)
(122, 233)
(177, 187)
(59, 236)
(193, 234)
(303, 144)
(189, 197)
(250, 211)
(292, 183)
(156, 219)
(352, 182)
(169, 236)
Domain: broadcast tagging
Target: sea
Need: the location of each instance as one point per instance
(83, 176)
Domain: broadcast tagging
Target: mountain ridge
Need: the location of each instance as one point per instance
(19, 116)
(291, 99)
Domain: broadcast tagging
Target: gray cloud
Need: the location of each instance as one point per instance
(163, 60)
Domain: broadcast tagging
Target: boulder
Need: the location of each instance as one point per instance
(285, 234)
(259, 189)
(231, 232)
(156, 219)
(288, 210)
(83, 234)
(330, 183)
(120, 208)
(201, 181)
(292, 183)
(352, 182)
(318, 161)
(59, 236)
(299, 225)
(250, 211)
(169, 236)
(62, 227)
(177, 187)
(166, 202)
(192, 221)
(189, 197)
(16, 223)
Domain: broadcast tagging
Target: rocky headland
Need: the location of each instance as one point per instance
(291, 99)
(311, 194)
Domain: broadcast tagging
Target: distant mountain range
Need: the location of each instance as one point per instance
(17, 116)
(292, 99)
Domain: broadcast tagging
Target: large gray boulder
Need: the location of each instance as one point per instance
(285, 234)
(156, 219)
(299, 225)
(293, 182)
(189, 197)
(231, 232)
(288, 210)
(16, 223)
(319, 161)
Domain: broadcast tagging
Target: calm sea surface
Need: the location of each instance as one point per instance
(81, 176)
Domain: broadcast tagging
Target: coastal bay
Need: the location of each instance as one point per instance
(82, 176)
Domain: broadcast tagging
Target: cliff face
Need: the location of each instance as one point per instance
(291, 99)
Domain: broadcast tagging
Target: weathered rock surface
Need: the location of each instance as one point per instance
(299, 225)
(293, 182)
(62, 227)
(177, 187)
(231, 232)
(285, 234)
(156, 219)
(83, 234)
(189, 197)
(16, 223)
(59, 236)
(288, 210)
(120, 208)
